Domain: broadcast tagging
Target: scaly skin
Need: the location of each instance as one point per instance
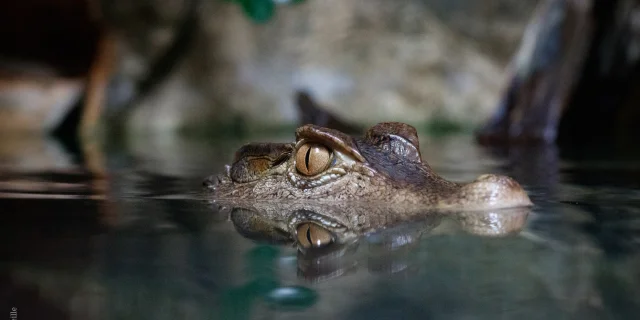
(385, 166)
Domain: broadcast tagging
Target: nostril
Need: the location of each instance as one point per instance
(211, 182)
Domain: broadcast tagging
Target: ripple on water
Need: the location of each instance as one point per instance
(296, 297)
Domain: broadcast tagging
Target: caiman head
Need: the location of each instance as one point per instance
(385, 166)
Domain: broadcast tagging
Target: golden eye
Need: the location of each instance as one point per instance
(311, 235)
(312, 159)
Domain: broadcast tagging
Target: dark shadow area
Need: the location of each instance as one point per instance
(574, 78)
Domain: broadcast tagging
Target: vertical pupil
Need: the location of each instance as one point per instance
(309, 235)
(306, 158)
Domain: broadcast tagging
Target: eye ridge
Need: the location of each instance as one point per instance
(281, 159)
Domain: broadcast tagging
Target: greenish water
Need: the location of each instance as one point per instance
(126, 234)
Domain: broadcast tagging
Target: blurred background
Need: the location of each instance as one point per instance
(517, 70)
(207, 64)
(541, 68)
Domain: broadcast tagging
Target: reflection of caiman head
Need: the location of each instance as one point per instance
(384, 166)
(316, 225)
(328, 235)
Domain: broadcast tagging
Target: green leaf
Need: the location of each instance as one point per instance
(259, 11)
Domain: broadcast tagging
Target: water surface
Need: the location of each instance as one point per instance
(124, 233)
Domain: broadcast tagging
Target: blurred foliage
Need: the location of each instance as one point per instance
(261, 11)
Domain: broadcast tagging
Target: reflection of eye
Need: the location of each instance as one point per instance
(311, 235)
(312, 159)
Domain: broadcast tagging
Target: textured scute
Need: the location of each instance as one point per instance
(399, 138)
(402, 172)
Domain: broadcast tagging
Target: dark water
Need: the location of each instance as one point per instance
(123, 233)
